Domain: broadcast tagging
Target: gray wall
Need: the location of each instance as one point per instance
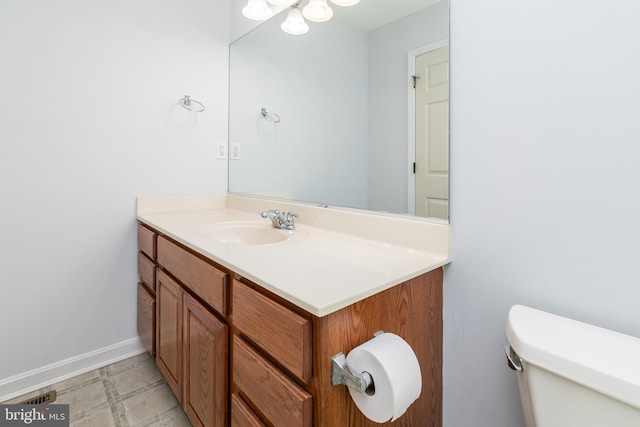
(317, 84)
(544, 183)
(89, 120)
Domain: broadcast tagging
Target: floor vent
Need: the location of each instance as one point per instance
(42, 399)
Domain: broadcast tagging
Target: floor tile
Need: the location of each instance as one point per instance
(129, 393)
(172, 418)
(83, 399)
(141, 408)
(101, 418)
(82, 379)
(138, 377)
(127, 364)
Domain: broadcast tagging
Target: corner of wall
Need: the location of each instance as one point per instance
(18, 385)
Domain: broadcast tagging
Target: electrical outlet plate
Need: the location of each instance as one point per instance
(235, 151)
(221, 150)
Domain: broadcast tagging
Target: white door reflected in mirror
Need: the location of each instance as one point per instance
(432, 133)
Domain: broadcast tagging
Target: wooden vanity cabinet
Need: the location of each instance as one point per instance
(192, 339)
(146, 288)
(237, 355)
(281, 357)
(412, 310)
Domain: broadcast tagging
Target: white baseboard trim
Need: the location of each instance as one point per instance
(35, 379)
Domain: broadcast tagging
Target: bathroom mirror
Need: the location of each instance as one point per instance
(331, 116)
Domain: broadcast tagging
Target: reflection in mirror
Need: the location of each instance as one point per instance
(351, 125)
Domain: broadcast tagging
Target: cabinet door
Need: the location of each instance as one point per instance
(169, 331)
(205, 366)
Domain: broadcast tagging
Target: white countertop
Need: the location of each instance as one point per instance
(320, 267)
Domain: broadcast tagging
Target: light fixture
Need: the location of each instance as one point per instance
(345, 2)
(295, 23)
(282, 2)
(257, 10)
(317, 11)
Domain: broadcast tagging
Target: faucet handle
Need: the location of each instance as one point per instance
(289, 216)
(288, 223)
(272, 213)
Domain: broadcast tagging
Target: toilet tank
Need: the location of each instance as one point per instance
(574, 374)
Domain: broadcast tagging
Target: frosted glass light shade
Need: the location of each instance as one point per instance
(282, 2)
(257, 10)
(345, 2)
(317, 11)
(295, 23)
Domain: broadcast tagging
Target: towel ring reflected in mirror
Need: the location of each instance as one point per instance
(191, 104)
(269, 116)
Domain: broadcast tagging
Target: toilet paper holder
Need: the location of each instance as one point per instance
(342, 374)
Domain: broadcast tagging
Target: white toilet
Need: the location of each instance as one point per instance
(571, 374)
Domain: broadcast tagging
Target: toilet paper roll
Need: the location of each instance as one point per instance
(395, 370)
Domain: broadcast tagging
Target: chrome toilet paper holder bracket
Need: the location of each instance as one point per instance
(342, 374)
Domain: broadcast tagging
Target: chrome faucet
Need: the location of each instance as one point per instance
(281, 220)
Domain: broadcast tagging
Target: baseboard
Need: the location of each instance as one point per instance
(35, 379)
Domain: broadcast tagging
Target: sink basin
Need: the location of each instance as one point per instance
(244, 233)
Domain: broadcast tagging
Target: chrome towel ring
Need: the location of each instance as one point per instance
(269, 116)
(192, 104)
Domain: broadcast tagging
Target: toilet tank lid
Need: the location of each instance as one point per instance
(598, 358)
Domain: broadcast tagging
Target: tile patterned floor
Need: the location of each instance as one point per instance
(130, 393)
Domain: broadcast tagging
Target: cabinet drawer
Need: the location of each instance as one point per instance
(285, 335)
(147, 241)
(242, 415)
(281, 400)
(147, 318)
(202, 278)
(147, 271)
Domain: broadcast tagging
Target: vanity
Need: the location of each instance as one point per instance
(243, 319)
